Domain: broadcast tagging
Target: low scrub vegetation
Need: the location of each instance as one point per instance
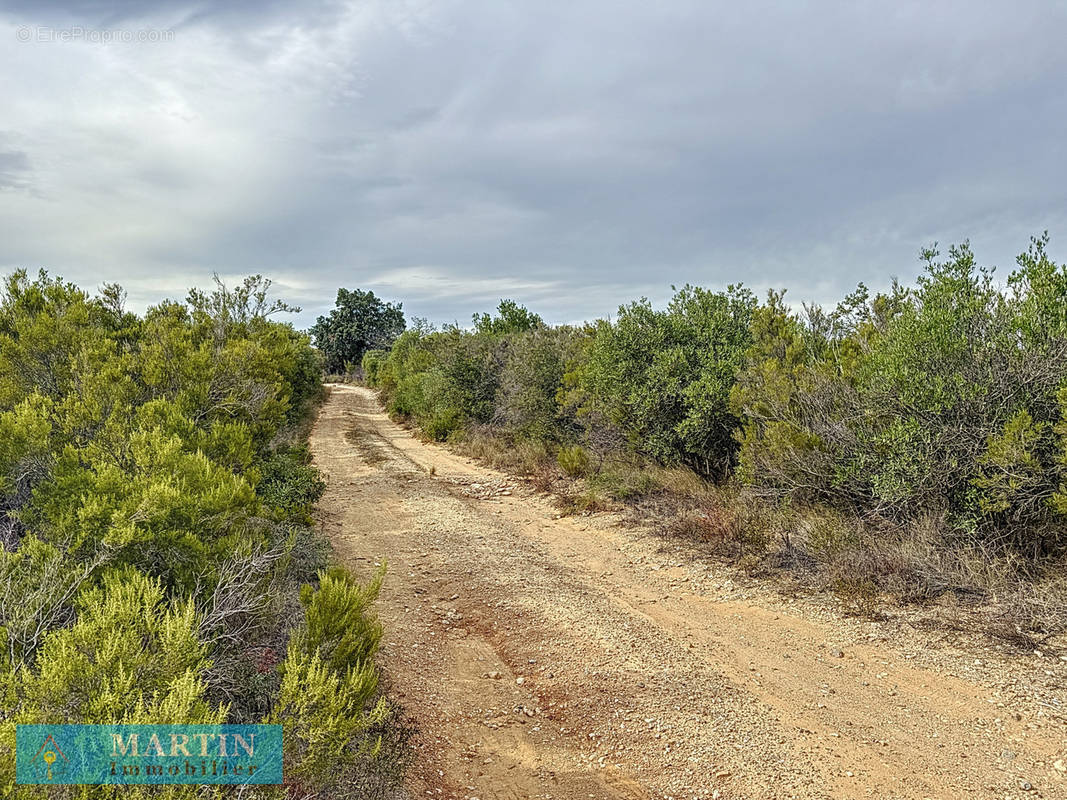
(157, 564)
(910, 443)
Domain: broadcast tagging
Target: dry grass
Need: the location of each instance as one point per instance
(534, 461)
(583, 501)
(546, 478)
(522, 457)
(867, 565)
(725, 524)
(684, 482)
(1034, 613)
(342, 377)
(972, 584)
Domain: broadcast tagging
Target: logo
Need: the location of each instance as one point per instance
(50, 763)
(148, 754)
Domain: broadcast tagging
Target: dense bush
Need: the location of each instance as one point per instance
(529, 400)
(340, 627)
(664, 377)
(654, 383)
(444, 379)
(331, 714)
(373, 361)
(289, 484)
(944, 400)
(153, 528)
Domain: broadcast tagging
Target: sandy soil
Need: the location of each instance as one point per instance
(580, 658)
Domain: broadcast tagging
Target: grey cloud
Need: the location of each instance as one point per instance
(574, 156)
(14, 169)
(91, 11)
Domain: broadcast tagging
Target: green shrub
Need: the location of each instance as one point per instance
(573, 460)
(444, 379)
(909, 403)
(340, 625)
(324, 714)
(166, 510)
(151, 530)
(511, 318)
(664, 377)
(131, 656)
(372, 364)
(331, 719)
(527, 402)
(290, 485)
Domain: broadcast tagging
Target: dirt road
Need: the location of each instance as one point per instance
(579, 658)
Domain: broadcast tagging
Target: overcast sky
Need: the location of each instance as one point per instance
(571, 155)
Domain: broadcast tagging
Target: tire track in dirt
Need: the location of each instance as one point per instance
(573, 658)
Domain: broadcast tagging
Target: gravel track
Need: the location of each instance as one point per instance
(576, 657)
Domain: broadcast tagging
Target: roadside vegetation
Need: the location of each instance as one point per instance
(158, 564)
(908, 446)
(358, 322)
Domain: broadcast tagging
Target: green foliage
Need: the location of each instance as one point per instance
(47, 327)
(940, 399)
(1059, 497)
(451, 379)
(152, 528)
(130, 657)
(340, 626)
(664, 377)
(246, 304)
(359, 322)
(1012, 476)
(469, 370)
(329, 682)
(444, 379)
(289, 484)
(323, 713)
(510, 318)
(162, 508)
(372, 364)
(660, 379)
(528, 400)
(573, 460)
(945, 399)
